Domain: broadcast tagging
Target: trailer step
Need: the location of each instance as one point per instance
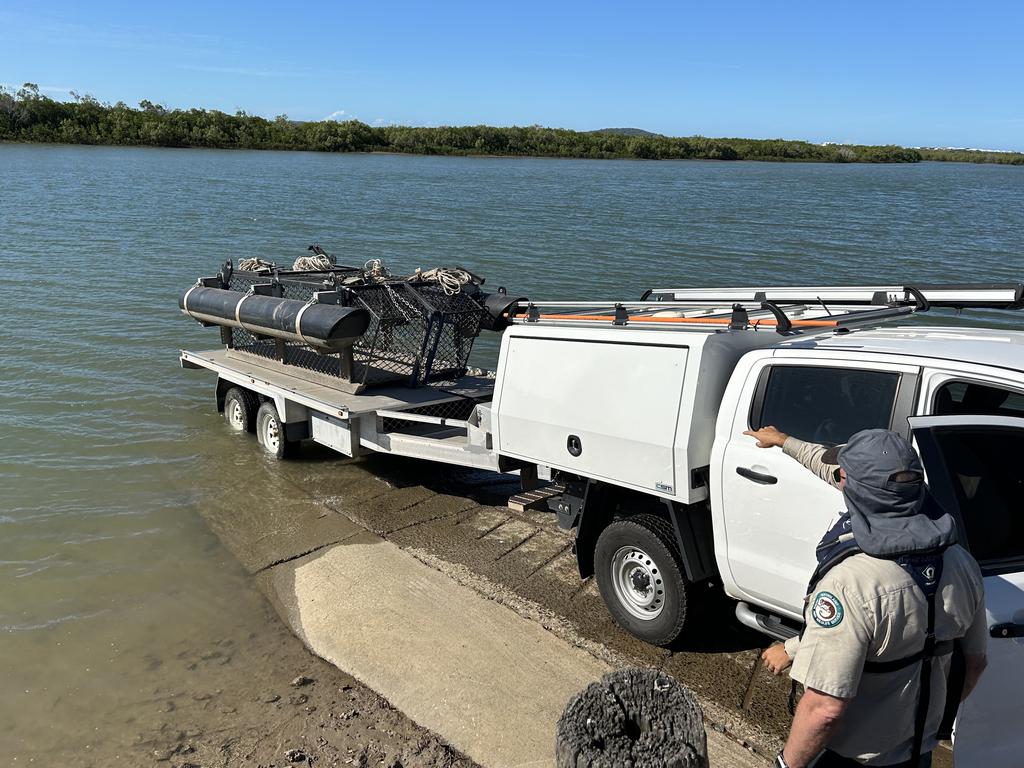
(535, 499)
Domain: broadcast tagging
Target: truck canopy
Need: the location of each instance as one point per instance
(633, 407)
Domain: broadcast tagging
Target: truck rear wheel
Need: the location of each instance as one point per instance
(271, 433)
(640, 575)
(240, 409)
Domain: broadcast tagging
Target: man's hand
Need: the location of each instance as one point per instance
(775, 659)
(767, 437)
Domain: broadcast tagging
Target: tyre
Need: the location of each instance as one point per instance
(641, 577)
(270, 432)
(240, 409)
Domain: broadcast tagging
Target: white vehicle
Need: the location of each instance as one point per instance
(635, 411)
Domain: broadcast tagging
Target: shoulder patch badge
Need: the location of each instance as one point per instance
(827, 611)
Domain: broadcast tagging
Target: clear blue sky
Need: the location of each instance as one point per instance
(935, 74)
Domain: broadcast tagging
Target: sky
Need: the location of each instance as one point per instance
(910, 73)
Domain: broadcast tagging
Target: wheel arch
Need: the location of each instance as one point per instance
(604, 503)
(226, 385)
(223, 385)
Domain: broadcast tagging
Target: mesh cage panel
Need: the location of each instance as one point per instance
(450, 409)
(417, 332)
(392, 347)
(244, 341)
(456, 324)
(299, 355)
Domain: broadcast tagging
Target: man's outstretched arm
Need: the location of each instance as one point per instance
(808, 454)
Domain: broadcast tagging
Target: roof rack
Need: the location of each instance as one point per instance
(784, 310)
(956, 296)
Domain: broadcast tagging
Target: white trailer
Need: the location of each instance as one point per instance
(635, 411)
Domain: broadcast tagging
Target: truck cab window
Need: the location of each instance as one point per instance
(825, 405)
(968, 397)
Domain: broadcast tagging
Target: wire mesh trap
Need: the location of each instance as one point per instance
(419, 331)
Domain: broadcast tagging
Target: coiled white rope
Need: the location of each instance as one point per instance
(318, 263)
(374, 269)
(450, 280)
(255, 265)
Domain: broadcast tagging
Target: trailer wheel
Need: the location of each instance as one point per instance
(640, 575)
(240, 409)
(270, 432)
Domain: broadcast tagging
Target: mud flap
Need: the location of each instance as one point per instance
(692, 524)
(595, 498)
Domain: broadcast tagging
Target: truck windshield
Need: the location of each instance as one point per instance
(824, 404)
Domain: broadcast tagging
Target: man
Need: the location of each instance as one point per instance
(875, 681)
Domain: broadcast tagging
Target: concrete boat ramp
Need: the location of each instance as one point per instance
(481, 665)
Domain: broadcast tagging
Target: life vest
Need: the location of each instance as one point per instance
(925, 568)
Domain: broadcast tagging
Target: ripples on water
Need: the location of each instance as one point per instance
(107, 449)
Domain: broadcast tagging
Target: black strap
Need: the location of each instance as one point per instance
(927, 575)
(881, 667)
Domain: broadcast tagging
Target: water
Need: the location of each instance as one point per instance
(108, 450)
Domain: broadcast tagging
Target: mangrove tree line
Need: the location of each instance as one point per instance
(29, 115)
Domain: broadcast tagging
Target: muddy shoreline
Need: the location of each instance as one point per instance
(248, 699)
(454, 520)
(281, 706)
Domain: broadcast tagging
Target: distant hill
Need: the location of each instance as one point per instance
(624, 132)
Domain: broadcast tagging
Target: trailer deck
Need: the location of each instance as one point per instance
(344, 405)
(434, 422)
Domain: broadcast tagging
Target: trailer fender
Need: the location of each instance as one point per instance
(295, 418)
(223, 385)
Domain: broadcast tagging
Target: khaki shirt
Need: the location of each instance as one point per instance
(809, 454)
(869, 609)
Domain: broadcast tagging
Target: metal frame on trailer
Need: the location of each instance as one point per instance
(401, 420)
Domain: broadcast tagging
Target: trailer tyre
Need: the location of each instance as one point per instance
(641, 578)
(271, 433)
(240, 407)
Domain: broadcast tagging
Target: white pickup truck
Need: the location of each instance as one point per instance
(635, 411)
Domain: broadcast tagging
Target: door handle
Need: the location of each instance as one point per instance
(757, 477)
(1006, 629)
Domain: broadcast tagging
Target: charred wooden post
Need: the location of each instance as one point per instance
(640, 718)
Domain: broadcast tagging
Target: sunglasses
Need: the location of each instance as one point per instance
(897, 477)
